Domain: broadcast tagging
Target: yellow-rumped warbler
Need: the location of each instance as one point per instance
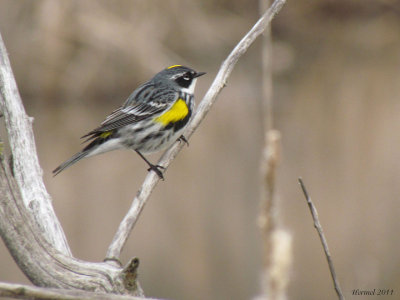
(151, 119)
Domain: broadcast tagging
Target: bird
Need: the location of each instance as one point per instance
(152, 118)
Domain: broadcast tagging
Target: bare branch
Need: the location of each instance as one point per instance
(43, 264)
(321, 234)
(26, 168)
(19, 291)
(28, 225)
(209, 99)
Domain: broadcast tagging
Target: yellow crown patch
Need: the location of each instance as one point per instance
(174, 66)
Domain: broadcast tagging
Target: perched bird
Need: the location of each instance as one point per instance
(151, 119)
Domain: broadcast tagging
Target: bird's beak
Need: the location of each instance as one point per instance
(198, 74)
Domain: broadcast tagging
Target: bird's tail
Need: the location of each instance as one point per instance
(78, 156)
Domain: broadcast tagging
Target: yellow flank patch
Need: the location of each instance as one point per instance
(174, 66)
(105, 134)
(177, 112)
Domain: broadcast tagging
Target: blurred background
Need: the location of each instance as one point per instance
(336, 102)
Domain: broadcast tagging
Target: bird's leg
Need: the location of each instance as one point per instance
(155, 168)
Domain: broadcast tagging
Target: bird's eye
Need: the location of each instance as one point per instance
(185, 79)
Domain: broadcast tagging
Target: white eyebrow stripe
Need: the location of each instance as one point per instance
(178, 75)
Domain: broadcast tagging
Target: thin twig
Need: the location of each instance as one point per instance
(209, 99)
(318, 227)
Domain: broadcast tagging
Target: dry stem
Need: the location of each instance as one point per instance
(321, 234)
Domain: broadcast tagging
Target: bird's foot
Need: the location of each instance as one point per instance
(157, 169)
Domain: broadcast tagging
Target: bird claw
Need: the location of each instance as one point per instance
(156, 169)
